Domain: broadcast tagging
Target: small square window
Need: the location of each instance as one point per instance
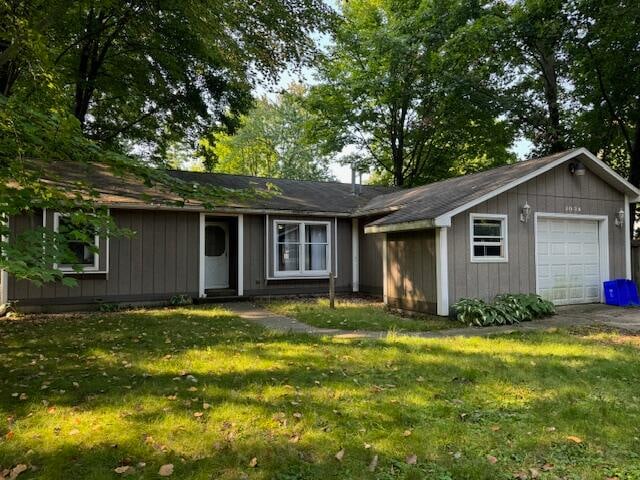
(488, 238)
(84, 253)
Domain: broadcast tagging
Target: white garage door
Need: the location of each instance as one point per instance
(568, 256)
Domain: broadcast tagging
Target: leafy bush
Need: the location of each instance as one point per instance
(505, 309)
(179, 300)
(109, 307)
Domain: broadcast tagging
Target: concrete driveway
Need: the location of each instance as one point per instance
(568, 316)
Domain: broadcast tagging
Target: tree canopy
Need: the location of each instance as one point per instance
(272, 141)
(117, 82)
(407, 83)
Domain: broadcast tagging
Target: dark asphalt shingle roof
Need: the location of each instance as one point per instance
(126, 191)
(435, 199)
(295, 195)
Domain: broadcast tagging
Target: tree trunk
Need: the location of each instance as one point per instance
(550, 80)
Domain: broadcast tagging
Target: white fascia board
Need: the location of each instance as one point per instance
(400, 227)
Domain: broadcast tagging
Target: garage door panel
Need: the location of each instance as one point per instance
(568, 263)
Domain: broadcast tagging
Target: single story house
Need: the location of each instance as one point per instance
(557, 226)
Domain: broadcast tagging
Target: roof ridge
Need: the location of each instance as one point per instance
(334, 182)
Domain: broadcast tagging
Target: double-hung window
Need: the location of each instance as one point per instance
(302, 248)
(83, 246)
(488, 238)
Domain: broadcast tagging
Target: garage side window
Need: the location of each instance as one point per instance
(488, 238)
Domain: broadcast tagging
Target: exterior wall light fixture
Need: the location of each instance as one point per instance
(577, 169)
(620, 218)
(525, 213)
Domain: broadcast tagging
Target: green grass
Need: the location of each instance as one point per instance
(106, 390)
(356, 314)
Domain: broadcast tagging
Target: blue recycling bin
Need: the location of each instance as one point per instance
(621, 292)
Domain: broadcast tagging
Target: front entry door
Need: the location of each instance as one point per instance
(216, 255)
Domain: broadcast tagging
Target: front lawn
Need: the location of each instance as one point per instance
(356, 314)
(217, 398)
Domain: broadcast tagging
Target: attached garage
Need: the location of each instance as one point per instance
(571, 258)
(557, 226)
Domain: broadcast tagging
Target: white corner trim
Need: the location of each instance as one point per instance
(4, 287)
(201, 292)
(4, 276)
(385, 271)
(355, 256)
(505, 234)
(603, 242)
(627, 228)
(442, 272)
(240, 255)
(444, 220)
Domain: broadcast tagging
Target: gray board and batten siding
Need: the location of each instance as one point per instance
(161, 260)
(552, 192)
(411, 270)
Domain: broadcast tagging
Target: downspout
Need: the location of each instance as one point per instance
(442, 272)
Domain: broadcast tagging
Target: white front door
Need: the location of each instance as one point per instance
(216, 255)
(568, 256)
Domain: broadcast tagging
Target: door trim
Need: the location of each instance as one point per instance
(603, 242)
(224, 226)
(201, 256)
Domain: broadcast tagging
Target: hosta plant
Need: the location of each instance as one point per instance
(505, 309)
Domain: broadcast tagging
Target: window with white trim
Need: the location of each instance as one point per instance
(82, 245)
(301, 248)
(488, 237)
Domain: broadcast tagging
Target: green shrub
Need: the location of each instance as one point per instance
(179, 300)
(109, 307)
(505, 309)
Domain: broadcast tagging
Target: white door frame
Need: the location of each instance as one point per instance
(603, 241)
(240, 252)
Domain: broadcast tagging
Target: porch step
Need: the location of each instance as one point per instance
(221, 292)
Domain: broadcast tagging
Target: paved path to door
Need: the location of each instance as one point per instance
(575, 315)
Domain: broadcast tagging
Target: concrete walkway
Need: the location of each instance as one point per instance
(574, 315)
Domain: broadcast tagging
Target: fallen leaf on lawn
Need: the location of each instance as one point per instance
(192, 389)
(574, 439)
(9, 435)
(206, 406)
(23, 396)
(406, 433)
(75, 431)
(294, 439)
(492, 460)
(412, 459)
(551, 429)
(17, 470)
(297, 415)
(535, 473)
(373, 464)
(521, 476)
(547, 466)
(340, 455)
(124, 470)
(495, 428)
(166, 470)
(197, 414)
(253, 463)
(367, 446)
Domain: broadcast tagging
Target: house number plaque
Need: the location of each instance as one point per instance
(572, 209)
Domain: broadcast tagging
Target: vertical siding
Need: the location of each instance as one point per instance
(158, 261)
(551, 192)
(258, 272)
(370, 252)
(411, 270)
